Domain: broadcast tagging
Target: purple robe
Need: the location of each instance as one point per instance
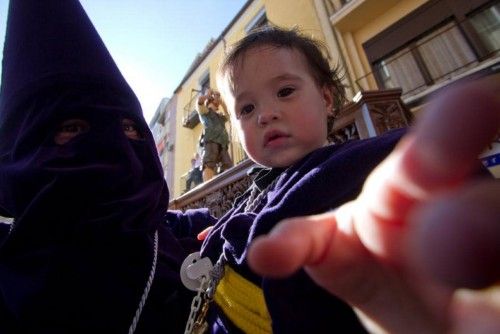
(80, 250)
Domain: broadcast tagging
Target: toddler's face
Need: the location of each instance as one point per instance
(278, 108)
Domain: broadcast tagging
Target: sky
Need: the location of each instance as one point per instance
(153, 42)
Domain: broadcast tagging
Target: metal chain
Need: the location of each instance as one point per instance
(195, 305)
(201, 302)
(215, 276)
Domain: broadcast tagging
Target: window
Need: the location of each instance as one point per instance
(436, 56)
(400, 70)
(205, 83)
(260, 20)
(487, 25)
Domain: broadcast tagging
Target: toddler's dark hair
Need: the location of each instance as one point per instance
(292, 39)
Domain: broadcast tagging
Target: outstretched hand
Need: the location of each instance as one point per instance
(421, 231)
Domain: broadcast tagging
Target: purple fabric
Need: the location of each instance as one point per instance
(322, 181)
(52, 39)
(85, 213)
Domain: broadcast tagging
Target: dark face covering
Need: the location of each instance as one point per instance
(102, 166)
(80, 250)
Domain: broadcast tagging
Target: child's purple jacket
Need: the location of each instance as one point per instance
(320, 182)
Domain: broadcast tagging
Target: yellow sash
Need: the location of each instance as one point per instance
(243, 303)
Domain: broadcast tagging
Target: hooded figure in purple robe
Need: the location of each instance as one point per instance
(91, 239)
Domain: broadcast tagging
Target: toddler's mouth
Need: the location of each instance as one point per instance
(274, 138)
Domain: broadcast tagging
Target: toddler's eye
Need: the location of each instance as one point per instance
(284, 92)
(131, 129)
(246, 110)
(69, 129)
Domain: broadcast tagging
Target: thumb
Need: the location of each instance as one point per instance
(457, 237)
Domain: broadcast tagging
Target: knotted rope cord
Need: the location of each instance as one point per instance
(145, 294)
(254, 199)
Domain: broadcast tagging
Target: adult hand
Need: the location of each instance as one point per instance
(421, 229)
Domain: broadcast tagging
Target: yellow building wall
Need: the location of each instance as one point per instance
(280, 12)
(300, 13)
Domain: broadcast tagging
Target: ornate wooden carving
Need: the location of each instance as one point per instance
(219, 193)
(387, 116)
(348, 132)
(221, 200)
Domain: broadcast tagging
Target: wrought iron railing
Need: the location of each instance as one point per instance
(467, 65)
(189, 115)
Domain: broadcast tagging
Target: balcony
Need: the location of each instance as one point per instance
(190, 116)
(434, 56)
(370, 114)
(352, 14)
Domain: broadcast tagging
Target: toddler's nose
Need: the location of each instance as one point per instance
(267, 115)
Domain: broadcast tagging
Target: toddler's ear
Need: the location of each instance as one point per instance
(328, 98)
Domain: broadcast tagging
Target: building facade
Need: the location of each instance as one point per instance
(419, 46)
(163, 127)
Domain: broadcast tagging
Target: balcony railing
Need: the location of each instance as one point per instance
(435, 60)
(370, 114)
(217, 194)
(189, 116)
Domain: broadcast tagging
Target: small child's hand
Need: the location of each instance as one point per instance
(203, 234)
(421, 228)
